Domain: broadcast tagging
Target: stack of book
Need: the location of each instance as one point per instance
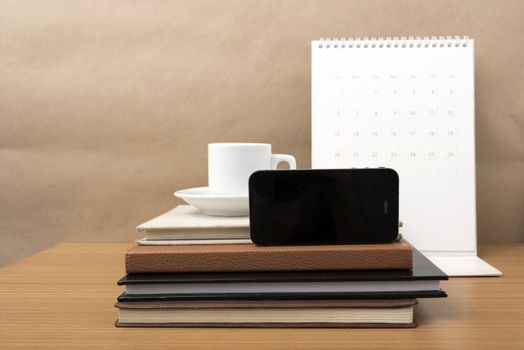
(193, 270)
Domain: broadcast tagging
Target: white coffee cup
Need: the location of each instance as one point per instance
(231, 164)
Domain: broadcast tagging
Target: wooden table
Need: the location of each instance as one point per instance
(63, 298)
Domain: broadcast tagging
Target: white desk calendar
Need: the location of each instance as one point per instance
(407, 104)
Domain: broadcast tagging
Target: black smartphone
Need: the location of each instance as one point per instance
(324, 206)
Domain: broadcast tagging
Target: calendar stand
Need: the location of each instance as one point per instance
(460, 264)
(463, 265)
(407, 104)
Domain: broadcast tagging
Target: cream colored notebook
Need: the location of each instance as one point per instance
(188, 223)
(313, 315)
(145, 241)
(268, 313)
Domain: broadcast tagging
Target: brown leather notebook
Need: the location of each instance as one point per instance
(249, 257)
(268, 313)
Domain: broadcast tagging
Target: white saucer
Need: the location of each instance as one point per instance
(215, 204)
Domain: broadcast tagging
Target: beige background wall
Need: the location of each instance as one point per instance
(106, 107)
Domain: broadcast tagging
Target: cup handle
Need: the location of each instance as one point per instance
(277, 158)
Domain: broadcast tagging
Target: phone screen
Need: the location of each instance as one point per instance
(339, 206)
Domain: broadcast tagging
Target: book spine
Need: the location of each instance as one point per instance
(238, 261)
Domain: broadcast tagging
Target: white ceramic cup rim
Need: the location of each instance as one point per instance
(237, 144)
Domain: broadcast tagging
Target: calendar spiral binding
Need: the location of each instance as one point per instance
(395, 42)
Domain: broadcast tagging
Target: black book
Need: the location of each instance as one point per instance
(423, 281)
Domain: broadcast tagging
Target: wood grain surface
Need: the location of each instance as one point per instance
(63, 298)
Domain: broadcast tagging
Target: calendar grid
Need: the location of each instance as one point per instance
(406, 104)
